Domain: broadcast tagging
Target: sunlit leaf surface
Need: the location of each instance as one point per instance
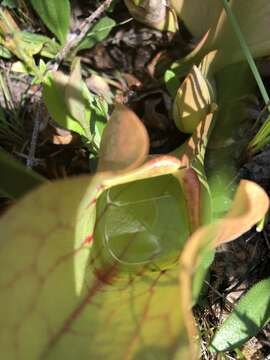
(199, 17)
(249, 315)
(192, 101)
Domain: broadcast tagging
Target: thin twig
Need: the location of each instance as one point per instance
(222, 296)
(81, 32)
(33, 145)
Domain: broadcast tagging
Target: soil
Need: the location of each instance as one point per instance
(134, 58)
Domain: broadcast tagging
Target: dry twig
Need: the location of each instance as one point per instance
(80, 33)
(30, 162)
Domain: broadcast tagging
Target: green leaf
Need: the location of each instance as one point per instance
(25, 45)
(249, 315)
(33, 44)
(16, 179)
(75, 99)
(172, 82)
(53, 90)
(98, 117)
(21, 67)
(227, 140)
(5, 53)
(55, 15)
(11, 4)
(98, 33)
(78, 110)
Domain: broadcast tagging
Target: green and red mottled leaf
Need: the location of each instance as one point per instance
(58, 301)
(55, 303)
(88, 278)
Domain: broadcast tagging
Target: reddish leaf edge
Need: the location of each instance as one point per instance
(249, 206)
